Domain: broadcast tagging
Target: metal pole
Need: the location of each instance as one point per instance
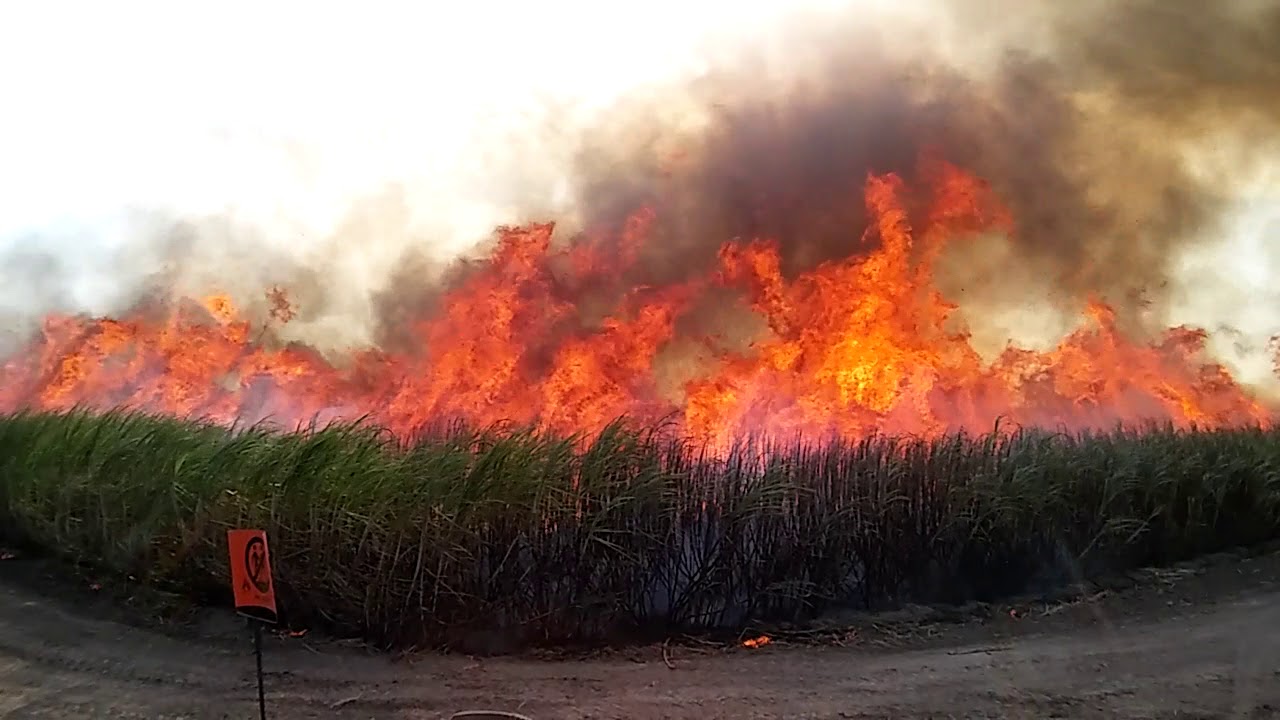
(257, 651)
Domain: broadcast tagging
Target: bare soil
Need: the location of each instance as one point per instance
(1198, 641)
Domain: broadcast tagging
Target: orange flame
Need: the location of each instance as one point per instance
(854, 346)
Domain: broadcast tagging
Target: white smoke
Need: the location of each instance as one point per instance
(291, 131)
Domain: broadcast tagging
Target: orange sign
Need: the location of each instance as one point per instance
(251, 574)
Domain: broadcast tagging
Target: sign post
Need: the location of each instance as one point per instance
(255, 594)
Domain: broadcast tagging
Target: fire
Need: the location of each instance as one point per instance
(859, 345)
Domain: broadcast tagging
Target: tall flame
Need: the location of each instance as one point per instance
(854, 346)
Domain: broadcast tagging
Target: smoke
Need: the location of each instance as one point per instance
(1086, 120)
(229, 148)
(1120, 134)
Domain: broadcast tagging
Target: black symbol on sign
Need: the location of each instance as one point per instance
(255, 564)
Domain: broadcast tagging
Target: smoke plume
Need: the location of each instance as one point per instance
(1088, 130)
(1118, 133)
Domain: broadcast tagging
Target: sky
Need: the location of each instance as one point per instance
(289, 109)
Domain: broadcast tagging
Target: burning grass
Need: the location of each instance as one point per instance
(548, 539)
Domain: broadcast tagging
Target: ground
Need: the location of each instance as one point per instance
(1198, 641)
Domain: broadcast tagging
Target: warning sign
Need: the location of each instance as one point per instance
(251, 574)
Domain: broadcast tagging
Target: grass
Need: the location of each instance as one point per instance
(549, 540)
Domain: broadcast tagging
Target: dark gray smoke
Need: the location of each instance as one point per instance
(1081, 116)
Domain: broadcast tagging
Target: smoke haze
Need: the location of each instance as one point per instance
(350, 157)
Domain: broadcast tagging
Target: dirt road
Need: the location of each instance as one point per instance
(1199, 642)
